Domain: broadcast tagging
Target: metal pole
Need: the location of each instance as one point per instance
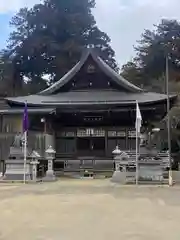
(25, 154)
(168, 120)
(137, 150)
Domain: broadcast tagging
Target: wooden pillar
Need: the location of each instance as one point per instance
(43, 120)
(45, 126)
(106, 142)
(75, 131)
(127, 138)
(1, 124)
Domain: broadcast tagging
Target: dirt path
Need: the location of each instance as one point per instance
(85, 209)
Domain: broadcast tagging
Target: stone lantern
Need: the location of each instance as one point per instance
(116, 155)
(34, 162)
(116, 151)
(50, 176)
(121, 161)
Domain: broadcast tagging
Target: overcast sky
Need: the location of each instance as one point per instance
(122, 20)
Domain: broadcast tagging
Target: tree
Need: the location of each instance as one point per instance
(155, 45)
(148, 67)
(7, 86)
(49, 38)
(132, 73)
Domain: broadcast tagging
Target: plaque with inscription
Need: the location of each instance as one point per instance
(121, 134)
(70, 134)
(111, 133)
(131, 134)
(83, 133)
(66, 134)
(99, 133)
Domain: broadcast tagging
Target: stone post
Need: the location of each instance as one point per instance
(50, 176)
(34, 162)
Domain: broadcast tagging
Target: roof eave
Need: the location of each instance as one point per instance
(54, 104)
(16, 111)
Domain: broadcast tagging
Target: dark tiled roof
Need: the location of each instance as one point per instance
(48, 98)
(90, 97)
(102, 65)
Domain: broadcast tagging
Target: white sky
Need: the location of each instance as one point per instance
(122, 20)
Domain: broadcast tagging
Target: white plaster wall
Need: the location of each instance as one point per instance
(12, 123)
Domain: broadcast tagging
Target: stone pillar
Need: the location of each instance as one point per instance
(50, 176)
(34, 164)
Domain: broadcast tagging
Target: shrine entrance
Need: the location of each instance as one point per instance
(91, 146)
(80, 148)
(91, 142)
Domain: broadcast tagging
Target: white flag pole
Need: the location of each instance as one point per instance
(168, 122)
(138, 128)
(25, 155)
(25, 129)
(137, 166)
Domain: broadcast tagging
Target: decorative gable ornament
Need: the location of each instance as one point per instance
(91, 68)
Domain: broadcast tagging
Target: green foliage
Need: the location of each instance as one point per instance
(148, 70)
(49, 39)
(155, 45)
(151, 52)
(133, 73)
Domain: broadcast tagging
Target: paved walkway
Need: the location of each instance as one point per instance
(88, 209)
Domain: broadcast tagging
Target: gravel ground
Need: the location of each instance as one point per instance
(88, 209)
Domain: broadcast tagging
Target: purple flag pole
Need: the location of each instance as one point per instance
(25, 129)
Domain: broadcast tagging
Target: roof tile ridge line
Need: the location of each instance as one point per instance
(101, 61)
(55, 85)
(122, 79)
(73, 71)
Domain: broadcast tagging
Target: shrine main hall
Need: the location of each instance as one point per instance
(85, 114)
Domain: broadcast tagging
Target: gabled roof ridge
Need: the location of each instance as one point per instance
(117, 77)
(104, 67)
(66, 77)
